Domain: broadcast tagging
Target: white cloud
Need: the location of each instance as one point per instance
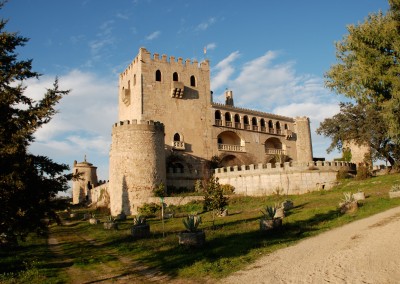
(206, 24)
(83, 123)
(268, 86)
(153, 35)
(211, 46)
(223, 70)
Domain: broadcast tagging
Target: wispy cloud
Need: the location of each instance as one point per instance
(122, 16)
(223, 71)
(206, 24)
(268, 86)
(83, 122)
(153, 35)
(211, 46)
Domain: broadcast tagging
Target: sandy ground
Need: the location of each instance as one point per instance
(365, 251)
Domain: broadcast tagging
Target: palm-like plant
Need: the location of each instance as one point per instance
(192, 222)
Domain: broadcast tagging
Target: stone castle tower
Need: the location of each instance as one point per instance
(81, 187)
(170, 129)
(137, 163)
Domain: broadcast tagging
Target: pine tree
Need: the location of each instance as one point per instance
(28, 182)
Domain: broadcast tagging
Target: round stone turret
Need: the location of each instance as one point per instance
(85, 182)
(137, 164)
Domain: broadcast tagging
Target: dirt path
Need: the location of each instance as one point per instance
(365, 251)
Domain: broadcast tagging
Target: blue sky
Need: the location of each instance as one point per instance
(271, 54)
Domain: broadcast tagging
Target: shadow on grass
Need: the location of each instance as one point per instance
(233, 246)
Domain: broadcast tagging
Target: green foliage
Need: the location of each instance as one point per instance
(227, 189)
(159, 191)
(270, 212)
(139, 220)
(198, 186)
(110, 219)
(346, 155)
(149, 209)
(213, 196)
(29, 182)
(367, 72)
(192, 222)
(348, 197)
(363, 173)
(363, 124)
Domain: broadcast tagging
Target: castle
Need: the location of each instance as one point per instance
(169, 129)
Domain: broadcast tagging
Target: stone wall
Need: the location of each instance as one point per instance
(100, 196)
(137, 164)
(298, 178)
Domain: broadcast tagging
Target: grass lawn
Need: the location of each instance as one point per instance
(80, 252)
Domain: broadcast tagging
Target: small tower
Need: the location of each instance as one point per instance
(84, 183)
(229, 98)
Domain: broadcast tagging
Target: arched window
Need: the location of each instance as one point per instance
(192, 81)
(286, 127)
(177, 137)
(228, 119)
(218, 120)
(175, 77)
(262, 124)
(237, 121)
(254, 124)
(158, 75)
(278, 127)
(134, 79)
(219, 140)
(270, 127)
(246, 122)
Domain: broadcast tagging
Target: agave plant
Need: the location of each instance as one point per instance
(270, 212)
(395, 187)
(348, 197)
(192, 222)
(110, 219)
(139, 220)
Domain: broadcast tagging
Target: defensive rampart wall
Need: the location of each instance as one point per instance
(296, 178)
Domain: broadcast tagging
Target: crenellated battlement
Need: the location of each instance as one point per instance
(288, 166)
(141, 123)
(289, 178)
(145, 56)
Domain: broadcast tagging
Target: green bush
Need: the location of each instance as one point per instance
(362, 173)
(149, 209)
(343, 173)
(227, 189)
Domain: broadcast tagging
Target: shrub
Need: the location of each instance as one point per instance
(343, 173)
(149, 209)
(227, 189)
(362, 173)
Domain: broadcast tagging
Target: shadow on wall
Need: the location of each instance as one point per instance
(126, 203)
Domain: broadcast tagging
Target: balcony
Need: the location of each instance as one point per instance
(272, 151)
(218, 122)
(178, 145)
(228, 123)
(231, 148)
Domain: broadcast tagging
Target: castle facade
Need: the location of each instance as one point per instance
(169, 130)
